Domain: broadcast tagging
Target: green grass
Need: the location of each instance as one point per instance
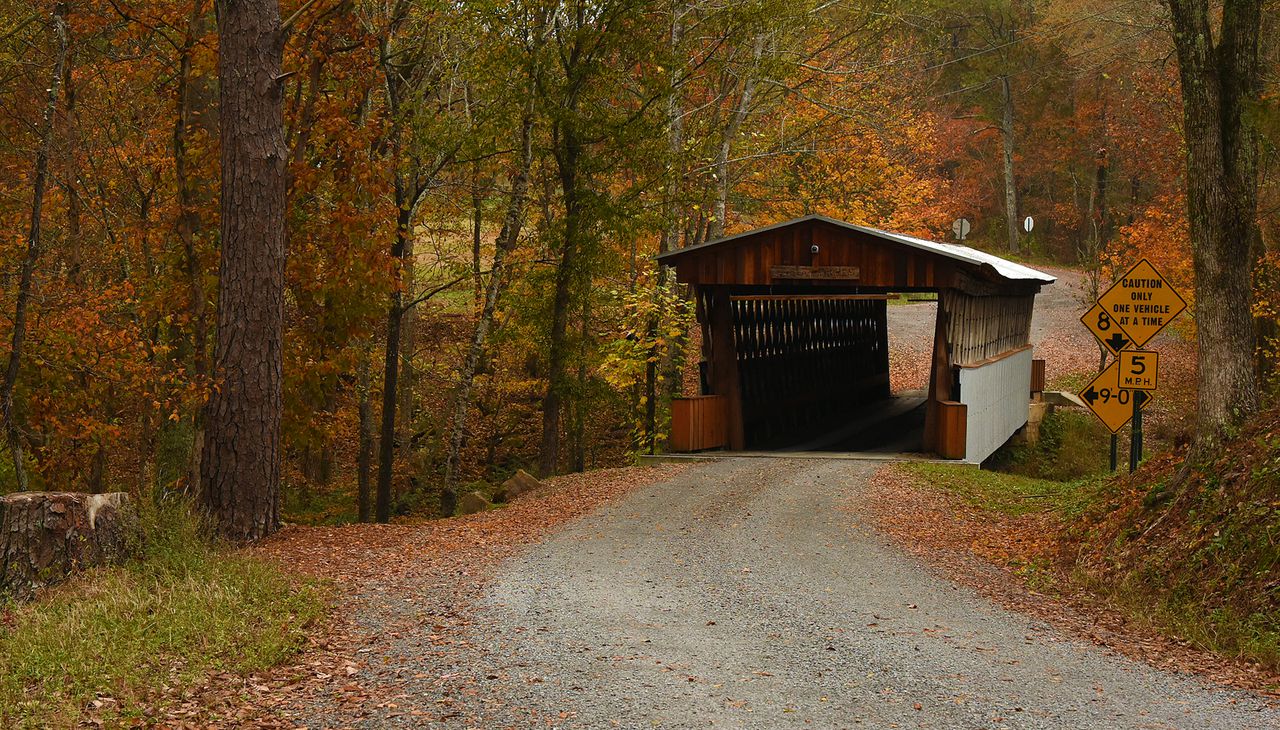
(1194, 611)
(1063, 472)
(903, 298)
(1009, 494)
(1201, 560)
(182, 609)
(1072, 445)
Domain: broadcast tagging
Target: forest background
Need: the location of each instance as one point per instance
(476, 192)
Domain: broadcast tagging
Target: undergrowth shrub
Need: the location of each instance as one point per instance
(1072, 446)
(1201, 556)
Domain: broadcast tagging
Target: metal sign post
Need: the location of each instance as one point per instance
(1135, 438)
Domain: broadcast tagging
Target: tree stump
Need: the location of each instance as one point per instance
(44, 536)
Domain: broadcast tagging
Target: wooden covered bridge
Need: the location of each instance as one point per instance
(795, 333)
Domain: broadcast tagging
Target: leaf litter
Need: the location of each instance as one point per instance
(408, 584)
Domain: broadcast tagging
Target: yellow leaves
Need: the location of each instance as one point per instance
(653, 318)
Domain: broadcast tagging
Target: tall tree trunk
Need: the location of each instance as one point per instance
(75, 206)
(1101, 177)
(1219, 83)
(408, 193)
(241, 465)
(569, 149)
(578, 428)
(315, 461)
(391, 371)
(716, 226)
(506, 243)
(556, 380)
(720, 209)
(1010, 181)
(364, 457)
(98, 470)
(670, 234)
(26, 276)
(477, 235)
(406, 392)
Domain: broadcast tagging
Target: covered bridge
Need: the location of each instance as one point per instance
(795, 332)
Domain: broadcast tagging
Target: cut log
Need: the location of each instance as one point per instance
(45, 536)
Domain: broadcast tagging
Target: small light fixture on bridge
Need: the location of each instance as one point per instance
(813, 248)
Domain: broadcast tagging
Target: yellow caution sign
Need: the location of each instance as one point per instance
(1139, 369)
(1112, 404)
(1142, 302)
(1097, 321)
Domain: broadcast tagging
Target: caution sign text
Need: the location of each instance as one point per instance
(1142, 302)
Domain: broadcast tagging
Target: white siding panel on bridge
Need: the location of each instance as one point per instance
(996, 394)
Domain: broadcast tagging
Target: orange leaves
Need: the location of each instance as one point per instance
(1159, 233)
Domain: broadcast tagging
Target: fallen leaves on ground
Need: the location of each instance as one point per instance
(389, 582)
(994, 553)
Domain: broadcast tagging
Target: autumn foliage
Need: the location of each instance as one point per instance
(400, 119)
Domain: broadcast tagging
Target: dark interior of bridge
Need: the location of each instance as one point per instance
(814, 373)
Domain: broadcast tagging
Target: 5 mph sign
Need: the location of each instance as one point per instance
(1139, 369)
(1125, 318)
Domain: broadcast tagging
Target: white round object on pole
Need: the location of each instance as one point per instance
(961, 228)
(1028, 224)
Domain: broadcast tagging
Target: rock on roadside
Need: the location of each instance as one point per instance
(517, 485)
(473, 502)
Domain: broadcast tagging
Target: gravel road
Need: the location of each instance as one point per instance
(748, 593)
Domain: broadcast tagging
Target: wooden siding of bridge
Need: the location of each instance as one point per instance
(972, 332)
(981, 328)
(749, 261)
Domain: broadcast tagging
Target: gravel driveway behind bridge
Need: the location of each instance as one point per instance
(1059, 337)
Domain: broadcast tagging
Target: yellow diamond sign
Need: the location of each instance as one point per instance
(1112, 404)
(1105, 329)
(1142, 303)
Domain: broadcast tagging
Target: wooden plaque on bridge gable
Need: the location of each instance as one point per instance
(836, 273)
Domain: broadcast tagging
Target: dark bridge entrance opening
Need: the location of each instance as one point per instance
(807, 363)
(795, 341)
